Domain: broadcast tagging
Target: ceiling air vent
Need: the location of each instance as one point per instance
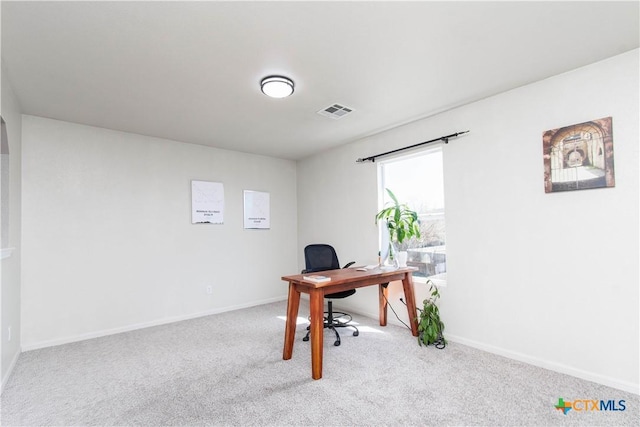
(335, 111)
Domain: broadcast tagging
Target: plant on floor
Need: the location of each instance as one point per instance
(430, 326)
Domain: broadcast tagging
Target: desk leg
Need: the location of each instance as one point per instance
(383, 295)
(293, 304)
(316, 304)
(409, 295)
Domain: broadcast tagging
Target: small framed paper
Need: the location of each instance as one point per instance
(256, 210)
(207, 202)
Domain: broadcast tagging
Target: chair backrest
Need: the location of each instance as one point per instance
(319, 257)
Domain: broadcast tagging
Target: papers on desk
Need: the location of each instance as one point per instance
(316, 278)
(367, 267)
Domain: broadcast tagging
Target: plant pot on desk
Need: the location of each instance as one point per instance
(401, 257)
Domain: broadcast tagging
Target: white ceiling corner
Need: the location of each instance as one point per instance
(190, 71)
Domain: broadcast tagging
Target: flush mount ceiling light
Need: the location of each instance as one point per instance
(277, 86)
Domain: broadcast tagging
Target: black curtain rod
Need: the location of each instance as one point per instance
(442, 138)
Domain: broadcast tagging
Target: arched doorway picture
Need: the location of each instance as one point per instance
(579, 156)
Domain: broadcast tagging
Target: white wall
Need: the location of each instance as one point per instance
(551, 279)
(10, 267)
(108, 243)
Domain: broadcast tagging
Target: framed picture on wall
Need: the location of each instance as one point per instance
(257, 213)
(579, 157)
(207, 202)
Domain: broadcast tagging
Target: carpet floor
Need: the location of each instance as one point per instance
(227, 370)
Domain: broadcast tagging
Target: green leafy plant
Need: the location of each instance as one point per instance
(430, 326)
(402, 222)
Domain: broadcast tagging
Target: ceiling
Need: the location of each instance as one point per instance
(190, 71)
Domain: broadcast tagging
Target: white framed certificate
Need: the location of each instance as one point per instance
(207, 202)
(256, 210)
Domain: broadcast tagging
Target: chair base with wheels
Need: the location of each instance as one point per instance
(322, 257)
(333, 320)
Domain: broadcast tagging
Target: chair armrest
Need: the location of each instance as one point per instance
(349, 264)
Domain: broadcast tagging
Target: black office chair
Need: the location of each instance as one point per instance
(320, 257)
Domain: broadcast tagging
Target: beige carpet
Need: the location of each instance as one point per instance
(227, 369)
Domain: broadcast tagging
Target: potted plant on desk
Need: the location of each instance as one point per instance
(402, 224)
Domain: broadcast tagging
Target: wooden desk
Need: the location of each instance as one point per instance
(341, 280)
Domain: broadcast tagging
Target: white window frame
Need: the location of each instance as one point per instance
(438, 280)
(5, 251)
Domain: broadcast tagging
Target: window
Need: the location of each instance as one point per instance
(418, 181)
(4, 187)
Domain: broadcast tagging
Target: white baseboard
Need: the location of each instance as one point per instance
(6, 376)
(546, 364)
(158, 322)
(550, 365)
